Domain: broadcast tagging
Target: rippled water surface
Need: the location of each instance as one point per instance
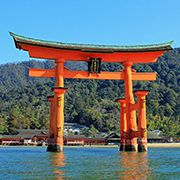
(88, 163)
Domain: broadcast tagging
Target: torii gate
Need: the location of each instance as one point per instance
(133, 134)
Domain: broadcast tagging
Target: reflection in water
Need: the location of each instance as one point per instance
(57, 160)
(134, 165)
(88, 163)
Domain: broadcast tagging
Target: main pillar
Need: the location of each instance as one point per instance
(59, 103)
(51, 124)
(131, 135)
(123, 123)
(142, 129)
(59, 118)
(59, 91)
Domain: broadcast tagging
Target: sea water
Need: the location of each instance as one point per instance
(88, 163)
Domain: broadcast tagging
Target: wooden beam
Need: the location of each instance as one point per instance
(144, 76)
(44, 73)
(50, 73)
(87, 75)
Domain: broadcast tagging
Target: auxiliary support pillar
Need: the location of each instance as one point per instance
(142, 127)
(51, 124)
(123, 123)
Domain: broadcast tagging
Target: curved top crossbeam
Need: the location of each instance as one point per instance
(90, 47)
(82, 52)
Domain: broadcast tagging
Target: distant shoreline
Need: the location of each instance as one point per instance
(153, 145)
(161, 145)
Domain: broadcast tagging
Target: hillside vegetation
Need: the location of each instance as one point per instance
(23, 99)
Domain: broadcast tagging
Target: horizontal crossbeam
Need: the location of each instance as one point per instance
(51, 73)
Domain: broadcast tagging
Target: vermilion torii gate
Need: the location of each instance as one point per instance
(133, 134)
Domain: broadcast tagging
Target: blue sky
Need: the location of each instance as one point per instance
(121, 22)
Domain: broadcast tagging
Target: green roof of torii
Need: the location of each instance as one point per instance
(89, 47)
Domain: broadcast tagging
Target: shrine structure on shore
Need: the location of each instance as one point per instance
(133, 131)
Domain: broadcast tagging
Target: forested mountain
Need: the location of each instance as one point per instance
(89, 102)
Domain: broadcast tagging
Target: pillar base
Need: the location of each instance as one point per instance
(122, 147)
(54, 148)
(142, 148)
(130, 148)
